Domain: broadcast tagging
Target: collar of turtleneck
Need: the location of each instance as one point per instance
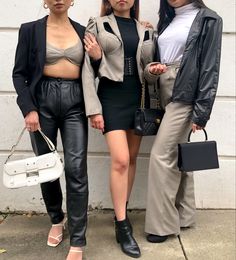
(186, 9)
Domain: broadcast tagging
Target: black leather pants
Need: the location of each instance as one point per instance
(61, 107)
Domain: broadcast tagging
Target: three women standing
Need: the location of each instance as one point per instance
(47, 78)
(189, 43)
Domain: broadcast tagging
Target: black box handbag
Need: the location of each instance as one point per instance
(195, 156)
(147, 120)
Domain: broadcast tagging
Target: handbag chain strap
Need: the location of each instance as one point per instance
(47, 140)
(142, 106)
(143, 96)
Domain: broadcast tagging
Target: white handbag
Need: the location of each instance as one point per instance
(33, 170)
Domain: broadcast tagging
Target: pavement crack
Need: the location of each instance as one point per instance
(3, 216)
(182, 247)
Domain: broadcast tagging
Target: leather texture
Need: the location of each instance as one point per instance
(127, 242)
(61, 108)
(147, 121)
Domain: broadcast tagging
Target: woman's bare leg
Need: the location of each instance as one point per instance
(134, 142)
(118, 147)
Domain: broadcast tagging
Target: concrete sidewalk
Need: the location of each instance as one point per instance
(24, 238)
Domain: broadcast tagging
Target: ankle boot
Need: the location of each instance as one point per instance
(127, 242)
(128, 223)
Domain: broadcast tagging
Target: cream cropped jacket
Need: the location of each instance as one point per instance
(112, 62)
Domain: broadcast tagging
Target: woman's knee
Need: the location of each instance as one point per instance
(120, 164)
(76, 166)
(76, 178)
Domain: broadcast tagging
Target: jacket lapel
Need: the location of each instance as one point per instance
(40, 40)
(114, 26)
(79, 29)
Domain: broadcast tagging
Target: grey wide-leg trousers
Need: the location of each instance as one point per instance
(170, 193)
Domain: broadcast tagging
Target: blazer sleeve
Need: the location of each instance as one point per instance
(20, 73)
(92, 102)
(151, 78)
(209, 72)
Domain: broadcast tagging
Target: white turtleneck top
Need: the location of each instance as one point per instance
(172, 41)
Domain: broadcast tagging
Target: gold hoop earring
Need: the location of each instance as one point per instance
(45, 6)
(72, 3)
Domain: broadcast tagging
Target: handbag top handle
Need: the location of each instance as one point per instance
(189, 135)
(47, 140)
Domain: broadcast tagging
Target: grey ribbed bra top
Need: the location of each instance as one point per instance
(73, 54)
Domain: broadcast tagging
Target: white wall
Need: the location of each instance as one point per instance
(214, 189)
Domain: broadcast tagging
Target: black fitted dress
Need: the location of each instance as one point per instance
(121, 99)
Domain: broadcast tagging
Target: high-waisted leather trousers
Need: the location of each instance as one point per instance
(61, 106)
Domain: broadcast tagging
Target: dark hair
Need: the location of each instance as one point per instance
(167, 12)
(106, 9)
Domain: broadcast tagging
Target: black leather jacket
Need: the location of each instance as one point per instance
(197, 80)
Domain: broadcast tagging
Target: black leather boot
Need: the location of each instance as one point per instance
(127, 218)
(127, 242)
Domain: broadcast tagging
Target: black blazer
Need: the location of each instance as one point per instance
(30, 60)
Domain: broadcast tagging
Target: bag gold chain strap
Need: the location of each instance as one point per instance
(158, 104)
(143, 96)
(47, 140)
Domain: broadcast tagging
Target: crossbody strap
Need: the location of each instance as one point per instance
(47, 140)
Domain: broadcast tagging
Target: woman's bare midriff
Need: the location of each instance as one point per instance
(62, 69)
